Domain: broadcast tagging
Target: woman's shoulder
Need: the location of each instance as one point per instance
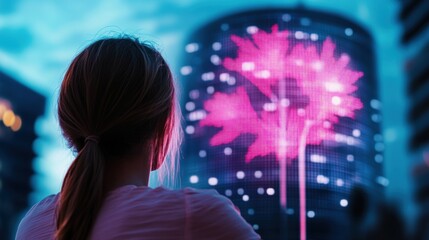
(37, 218)
(44, 206)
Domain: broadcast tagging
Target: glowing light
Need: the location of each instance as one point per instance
(210, 90)
(190, 106)
(333, 87)
(286, 17)
(202, 153)
(213, 181)
(252, 29)
(224, 27)
(245, 198)
(248, 66)
(356, 132)
(190, 129)
(376, 118)
(216, 46)
(382, 181)
(378, 158)
(378, 137)
(227, 151)
(311, 214)
(317, 158)
(240, 191)
(231, 81)
(3, 109)
(299, 35)
(263, 74)
(271, 191)
(17, 124)
(215, 59)
(348, 32)
(379, 147)
(258, 174)
(317, 65)
(344, 203)
(340, 182)
(376, 104)
(191, 47)
(290, 211)
(269, 107)
(240, 175)
(186, 70)
(314, 36)
(322, 179)
(260, 191)
(194, 94)
(336, 100)
(209, 76)
(228, 192)
(284, 102)
(8, 118)
(194, 179)
(255, 226)
(197, 115)
(223, 77)
(299, 62)
(267, 60)
(250, 211)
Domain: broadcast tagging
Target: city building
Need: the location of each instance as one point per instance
(283, 117)
(414, 16)
(19, 109)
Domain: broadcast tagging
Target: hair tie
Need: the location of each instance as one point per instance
(92, 138)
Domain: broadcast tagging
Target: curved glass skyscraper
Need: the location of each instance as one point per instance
(282, 117)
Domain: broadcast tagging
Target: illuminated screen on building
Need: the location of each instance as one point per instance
(282, 117)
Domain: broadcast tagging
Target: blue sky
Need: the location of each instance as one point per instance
(38, 39)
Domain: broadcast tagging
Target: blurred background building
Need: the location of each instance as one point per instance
(19, 109)
(39, 39)
(335, 166)
(414, 17)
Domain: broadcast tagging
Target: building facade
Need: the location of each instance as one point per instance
(283, 117)
(414, 16)
(19, 109)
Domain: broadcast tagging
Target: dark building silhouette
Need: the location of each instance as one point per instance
(414, 16)
(218, 143)
(19, 109)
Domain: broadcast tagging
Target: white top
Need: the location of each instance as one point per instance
(132, 212)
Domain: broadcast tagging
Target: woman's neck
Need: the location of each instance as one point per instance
(132, 169)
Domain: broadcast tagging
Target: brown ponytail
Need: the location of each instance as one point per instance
(117, 93)
(78, 211)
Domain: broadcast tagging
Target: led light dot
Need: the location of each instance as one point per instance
(194, 179)
(245, 198)
(270, 191)
(240, 175)
(202, 153)
(190, 129)
(213, 181)
(227, 151)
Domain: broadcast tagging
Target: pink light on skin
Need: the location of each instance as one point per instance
(268, 61)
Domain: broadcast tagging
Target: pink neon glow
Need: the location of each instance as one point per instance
(270, 62)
